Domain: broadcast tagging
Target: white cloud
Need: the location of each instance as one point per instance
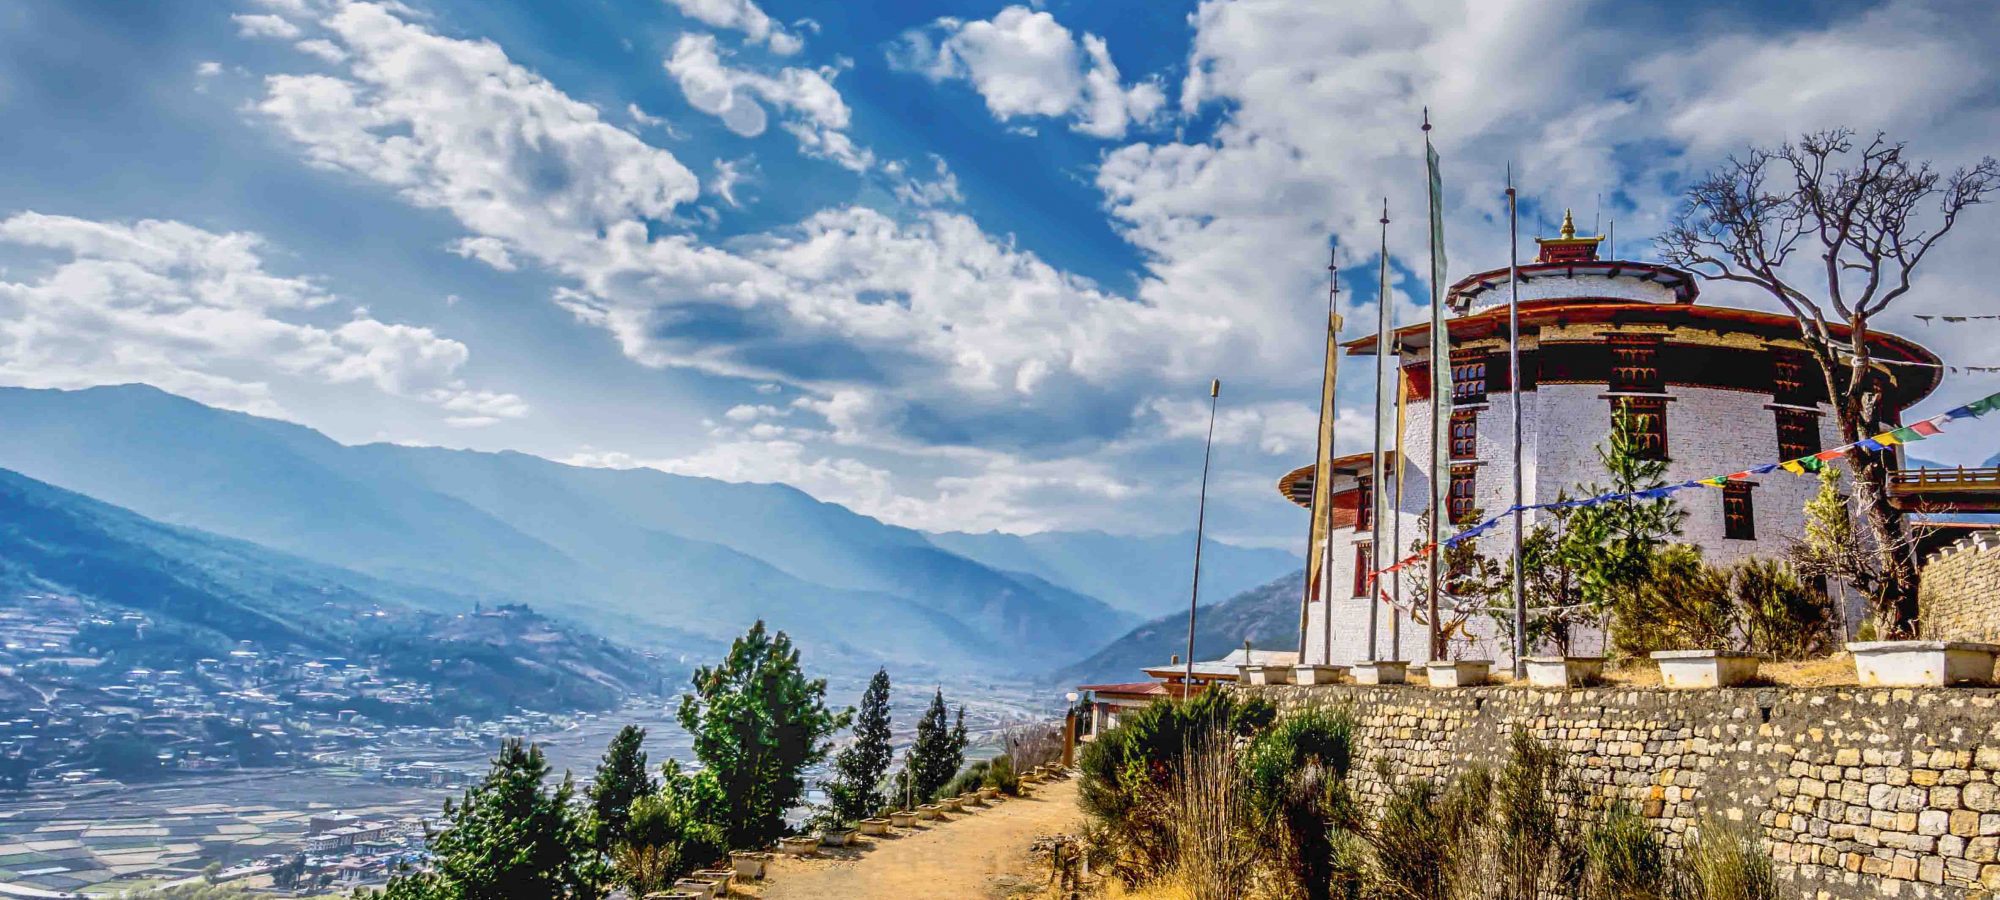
(1025, 63)
(491, 251)
(744, 16)
(729, 175)
(195, 312)
(324, 49)
(815, 112)
(208, 68)
(264, 26)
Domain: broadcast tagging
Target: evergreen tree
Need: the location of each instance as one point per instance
(1612, 546)
(958, 741)
(621, 780)
(758, 723)
(856, 789)
(936, 755)
(510, 837)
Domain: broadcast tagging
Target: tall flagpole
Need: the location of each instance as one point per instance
(1378, 473)
(1318, 542)
(1514, 391)
(1396, 521)
(1200, 523)
(1327, 405)
(1440, 351)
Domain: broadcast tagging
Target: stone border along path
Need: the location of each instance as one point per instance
(961, 855)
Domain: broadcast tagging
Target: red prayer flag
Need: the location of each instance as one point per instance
(1924, 428)
(1830, 454)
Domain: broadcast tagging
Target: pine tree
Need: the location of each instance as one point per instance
(855, 791)
(1612, 546)
(509, 837)
(758, 723)
(621, 780)
(958, 741)
(933, 757)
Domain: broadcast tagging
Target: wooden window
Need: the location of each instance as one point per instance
(1459, 504)
(1364, 517)
(1468, 377)
(1465, 434)
(1649, 423)
(1789, 386)
(1798, 434)
(1635, 364)
(1739, 515)
(1362, 566)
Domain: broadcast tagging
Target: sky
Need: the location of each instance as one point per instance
(957, 265)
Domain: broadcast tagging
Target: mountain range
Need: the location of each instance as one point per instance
(201, 595)
(1267, 616)
(673, 563)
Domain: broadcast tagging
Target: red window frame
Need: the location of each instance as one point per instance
(1464, 434)
(1798, 433)
(1459, 503)
(1635, 364)
(1363, 578)
(1364, 517)
(1649, 423)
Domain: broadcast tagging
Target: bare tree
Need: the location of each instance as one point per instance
(1872, 214)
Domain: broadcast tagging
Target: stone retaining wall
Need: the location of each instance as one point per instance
(1857, 792)
(1960, 591)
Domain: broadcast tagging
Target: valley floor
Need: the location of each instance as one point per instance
(972, 855)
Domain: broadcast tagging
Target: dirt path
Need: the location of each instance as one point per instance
(972, 855)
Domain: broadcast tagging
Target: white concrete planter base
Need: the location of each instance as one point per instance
(1563, 671)
(1382, 671)
(1318, 674)
(1458, 672)
(837, 837)
(1922, 663)
(1264, 674)
(698, 887)
(989, 794)
(1685, 670)
(722, 877)
(874, 826)
(903, 819)
(928, 811)
(798, 846)
(749, 866)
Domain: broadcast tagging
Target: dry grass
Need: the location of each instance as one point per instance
(1827, 671)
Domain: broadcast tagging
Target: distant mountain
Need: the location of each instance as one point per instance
(204, 593)
(1147, 576)
(640, 554)
(1268, 616)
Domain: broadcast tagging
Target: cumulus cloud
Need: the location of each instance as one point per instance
(195, 312)
(814, 110)
(1026, 64)
(264, 26)
(744, 16)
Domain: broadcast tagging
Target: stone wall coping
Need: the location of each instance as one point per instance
(1895, 646)
(1705, 654)
(1443, 663)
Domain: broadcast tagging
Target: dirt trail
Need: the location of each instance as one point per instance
(973, 855)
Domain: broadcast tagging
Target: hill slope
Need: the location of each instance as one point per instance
(637, 553)
(1146, 576)
(205, 593)
(1268, 616)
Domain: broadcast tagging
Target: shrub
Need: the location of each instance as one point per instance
(1296, 775)
(1625, 860)
(1034, 745)
(970, 778)
(1000, 776)
(1425, 840)
(1781, 615)
(1211, 826)
(1128, 772)
(1536, 850)
(1724, 862)
(1683, 602)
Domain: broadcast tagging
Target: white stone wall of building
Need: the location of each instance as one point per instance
(1710, 432)
(1554, 288)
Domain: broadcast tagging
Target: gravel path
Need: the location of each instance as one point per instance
(972, 855)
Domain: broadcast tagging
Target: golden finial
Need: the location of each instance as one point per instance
(1569, 226)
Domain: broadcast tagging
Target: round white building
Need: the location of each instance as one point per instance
(1713, 390)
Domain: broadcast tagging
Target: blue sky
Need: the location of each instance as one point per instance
(960, 265)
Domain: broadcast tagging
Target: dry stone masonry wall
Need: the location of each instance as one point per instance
(1856, 792)
(1960, 591)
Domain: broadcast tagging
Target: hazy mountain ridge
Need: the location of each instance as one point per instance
(203, 594)
(1146, 576)
(1267, 615)
(636, 553)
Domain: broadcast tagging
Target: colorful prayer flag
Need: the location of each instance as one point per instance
(1925, 428)
(1869, 444)
(1887, 439)
(1795, 466)
(1907, 434)
(1717, 481)
(1825, 455)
